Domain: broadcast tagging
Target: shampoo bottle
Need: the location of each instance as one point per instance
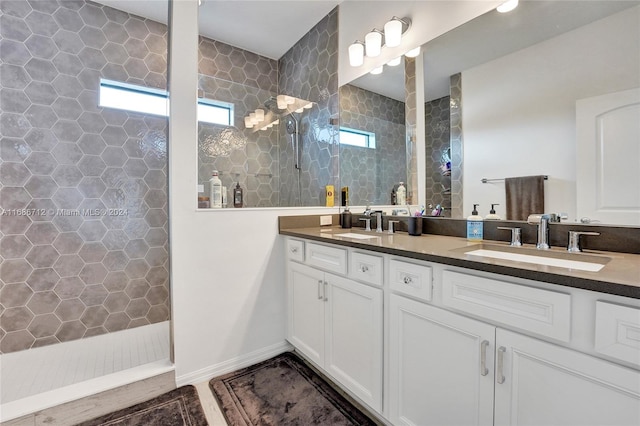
(401, 195)
(492, 213)
(237, 196)
(215, 191)
(474, 225)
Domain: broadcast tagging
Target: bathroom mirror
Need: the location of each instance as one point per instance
(519, 77)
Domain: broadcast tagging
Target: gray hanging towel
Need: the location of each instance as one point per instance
(525, 196)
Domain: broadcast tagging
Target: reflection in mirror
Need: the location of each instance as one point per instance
(521, 76)
(276, 141)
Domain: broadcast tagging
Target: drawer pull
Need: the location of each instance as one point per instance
(320, 296)
(483, 358)
(500, 372)
(364, 268)
(407, 279)
(293, 249)
(325, 291)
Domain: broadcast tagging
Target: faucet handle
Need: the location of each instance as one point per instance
(515, 236)
(391, 222)
(574, 240)
(367, 223)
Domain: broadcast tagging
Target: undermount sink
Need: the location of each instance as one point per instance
(575, 261)
(355, 236)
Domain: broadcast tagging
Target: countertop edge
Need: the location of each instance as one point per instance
(563, 280)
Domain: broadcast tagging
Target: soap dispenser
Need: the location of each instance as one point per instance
(474, 225)
(492, 213)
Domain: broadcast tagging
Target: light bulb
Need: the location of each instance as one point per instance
(260, 114)
(373, 43)
(308, 106)
(247, 123)
(393, 33)
(276, 122)
(253, 118)
(377, 70)
(281, 101)
(395, 62)
(356, 54)
(413, 52)
(507, 6)
(289, 99)
(299, 110)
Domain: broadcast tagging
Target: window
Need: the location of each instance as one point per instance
(129, 97)
(357, 138)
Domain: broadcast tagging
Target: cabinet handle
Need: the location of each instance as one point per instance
(500, 372)
(364, 268)
(325, 291)
(320, 296)
(483, 358)
(407, 279)
(294, 249)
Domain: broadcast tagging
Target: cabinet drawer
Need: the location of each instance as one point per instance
(295, 250)
(618, 331)
(330, 258)
(366, 268)
(544, 312)
(411, 279)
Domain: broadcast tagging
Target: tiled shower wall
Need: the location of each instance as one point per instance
(247, 81)
(309, 70)
(437, 128)
(84, 189)
(370, 173)
(455, 95)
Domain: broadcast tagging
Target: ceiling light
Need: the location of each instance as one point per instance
(356, 54)
(373, 43)
(395, 62)
(377, 70)
(507, 6)
(413, 52)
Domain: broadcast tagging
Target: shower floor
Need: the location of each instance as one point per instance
(39, 378)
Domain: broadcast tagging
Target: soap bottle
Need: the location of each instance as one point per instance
(474, 225)
(215, 190)
(345, 218)
(401, 195)
(237, 196)
(492, 213)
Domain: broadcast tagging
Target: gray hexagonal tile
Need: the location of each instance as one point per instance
(43, 256)
(69, 288)
(92, 252)
(14, 295)
(40, 140)
(43, 302)
(67, 198)
(44, 325)
(70, 310)
(67, 131)
(68, 265)
(41, 93)
(13, 174)
(13, 52)
(41, 116)
(66, 108)
(71, 331)
(14, 125)
(138, 308)
(92, 187)
(41, 46)
(14, 319)
(42, 233)
(41, 70)
(68, 243)
(66, 175)
(13, 101)
(41, 163)
(41, 186)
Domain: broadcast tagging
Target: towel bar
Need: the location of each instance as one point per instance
(485, 180)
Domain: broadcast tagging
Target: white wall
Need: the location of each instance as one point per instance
(227, 267)
(519, 110)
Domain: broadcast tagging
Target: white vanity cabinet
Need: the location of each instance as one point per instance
(337, 323)
(543, 384)
(441, 366)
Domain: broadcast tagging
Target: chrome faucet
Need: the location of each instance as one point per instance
(542, 220)
(378, 214)
(367, 210)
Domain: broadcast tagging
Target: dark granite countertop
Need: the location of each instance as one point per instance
(619, 276)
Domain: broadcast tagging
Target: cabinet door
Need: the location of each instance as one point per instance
(354, 338)
(306, 311)
(441, 366)
(545, 384)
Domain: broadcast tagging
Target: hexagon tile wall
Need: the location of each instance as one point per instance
(90, 254)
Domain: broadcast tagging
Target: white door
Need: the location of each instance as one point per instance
(441, 366)
(545, 384)
(306, 311)
(608, 158)
(353, 349)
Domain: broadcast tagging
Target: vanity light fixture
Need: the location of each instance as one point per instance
(281, 102)
(377, 70)
(260, 114)
(413, 52)
(247, 123)
(373, 43)
(308, 106)
(289, 99)
(395, 62)
(253, 118)
(507, 6)
(356, 54)
(299, 110)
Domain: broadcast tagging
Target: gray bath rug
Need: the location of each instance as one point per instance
(282, 391)
(180, 407)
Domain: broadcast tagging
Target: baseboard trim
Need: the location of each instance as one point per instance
(233, 364)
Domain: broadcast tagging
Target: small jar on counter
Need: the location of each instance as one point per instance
(204, 203)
